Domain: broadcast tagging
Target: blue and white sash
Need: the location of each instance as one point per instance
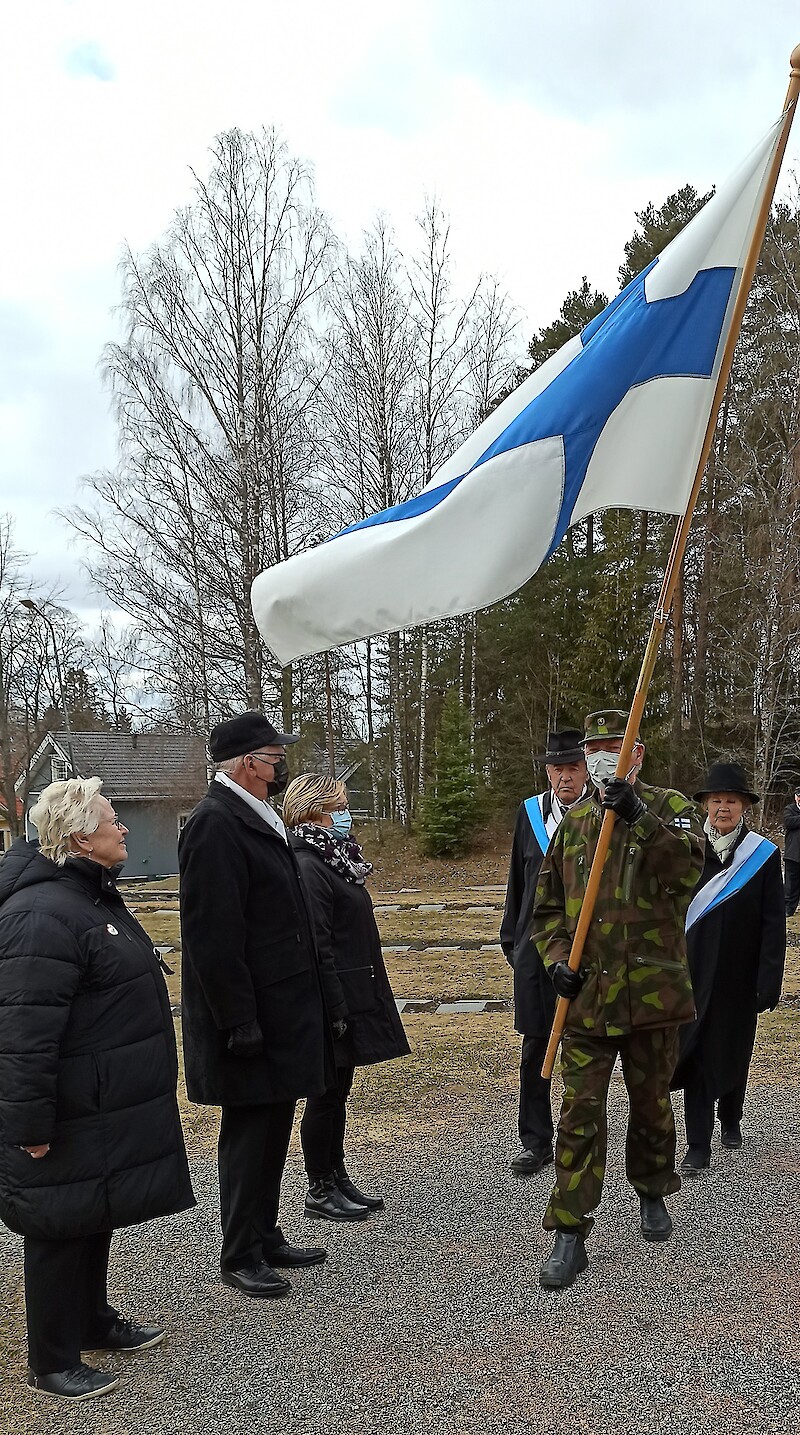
(749, 858)
(533, 807)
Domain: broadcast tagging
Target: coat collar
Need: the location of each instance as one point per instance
(218, 792)
(100, 881)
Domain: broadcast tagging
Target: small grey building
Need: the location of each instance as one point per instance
(154, 779)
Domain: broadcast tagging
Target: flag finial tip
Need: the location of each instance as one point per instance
(794, 60)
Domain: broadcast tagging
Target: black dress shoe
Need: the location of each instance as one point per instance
(566, 1261)
(258, 1279)
(79, 1383)
(527, 1163)
(128, 1335)
(695, 1161)
(731, 1137)
(656, 1219)
(352, 1193)
(325, 1202)
(288, 1256)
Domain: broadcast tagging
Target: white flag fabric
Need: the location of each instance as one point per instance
(615, 419)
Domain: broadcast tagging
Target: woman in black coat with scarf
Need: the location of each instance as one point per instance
(90, 1135)
(360, 1003)
(736, 943)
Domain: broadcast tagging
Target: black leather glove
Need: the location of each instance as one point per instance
(765, 1002)
(621, 799)
(339, 1029)
(246, 1040)
(566, 982)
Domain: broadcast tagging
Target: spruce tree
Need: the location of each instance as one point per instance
(448, 814)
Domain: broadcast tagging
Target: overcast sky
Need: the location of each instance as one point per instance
(542, 127)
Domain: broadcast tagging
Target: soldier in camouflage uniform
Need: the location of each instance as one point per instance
(631, 993)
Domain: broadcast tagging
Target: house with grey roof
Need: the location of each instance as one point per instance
(154, 779)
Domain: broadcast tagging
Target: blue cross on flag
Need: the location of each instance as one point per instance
(615, 419)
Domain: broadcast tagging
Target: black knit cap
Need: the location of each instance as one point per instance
(726, 777)
(562, 747)
(243, 734)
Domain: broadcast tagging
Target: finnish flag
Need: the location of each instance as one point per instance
(615, 419)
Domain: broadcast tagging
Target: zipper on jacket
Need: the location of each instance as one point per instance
(657, 962)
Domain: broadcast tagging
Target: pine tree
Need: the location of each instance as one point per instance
(448, 808)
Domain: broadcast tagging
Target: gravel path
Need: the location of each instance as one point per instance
(430, 1318)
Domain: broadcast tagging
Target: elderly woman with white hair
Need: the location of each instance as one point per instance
(90, 1135)
(362, 1008)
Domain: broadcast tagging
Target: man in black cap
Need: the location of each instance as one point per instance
(791, 853)
(534, 998)
(255, 1034)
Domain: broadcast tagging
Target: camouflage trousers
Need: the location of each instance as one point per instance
(587, 1061)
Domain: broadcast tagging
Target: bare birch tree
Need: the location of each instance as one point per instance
(214, 388)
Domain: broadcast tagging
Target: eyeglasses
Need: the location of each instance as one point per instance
(262, 757)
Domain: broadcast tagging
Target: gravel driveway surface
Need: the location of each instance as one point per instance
(430, 1317)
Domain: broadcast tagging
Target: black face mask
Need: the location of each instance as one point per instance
(280, 778)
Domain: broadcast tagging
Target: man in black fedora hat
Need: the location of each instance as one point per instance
(255, 1034)
(791, 853)
(534, 999)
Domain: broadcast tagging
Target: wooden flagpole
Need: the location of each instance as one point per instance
(675, 560)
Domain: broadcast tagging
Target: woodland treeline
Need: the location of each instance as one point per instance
(272, 386)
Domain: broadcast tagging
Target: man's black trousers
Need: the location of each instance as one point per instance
(66, 1301)
(698, 1108)
(253, 1142)
(791, 883)
(535, 1111)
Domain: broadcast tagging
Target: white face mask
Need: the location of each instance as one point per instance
(602, 766)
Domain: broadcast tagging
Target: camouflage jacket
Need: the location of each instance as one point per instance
(634, 960)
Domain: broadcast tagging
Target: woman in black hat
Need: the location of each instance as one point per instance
(736, 942)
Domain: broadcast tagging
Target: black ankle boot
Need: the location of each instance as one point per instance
(566, 1261)
(352, 1193)
(326, 1202)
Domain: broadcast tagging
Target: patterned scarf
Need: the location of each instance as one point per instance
(722, 845)
(342, 854)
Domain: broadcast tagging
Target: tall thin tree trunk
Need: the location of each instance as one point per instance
(329, 717)
(423, 711)
(676, 741)
(395, 717)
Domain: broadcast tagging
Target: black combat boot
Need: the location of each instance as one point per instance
(566, 1261)
(352, 1193)
(325, 1202)
(731, 1137)
(656, 1219)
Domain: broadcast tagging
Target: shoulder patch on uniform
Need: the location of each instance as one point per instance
(684, 823)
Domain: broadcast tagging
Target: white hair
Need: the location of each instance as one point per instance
(230, 764)
(65, 808)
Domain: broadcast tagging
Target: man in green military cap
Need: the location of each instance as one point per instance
(630, 994)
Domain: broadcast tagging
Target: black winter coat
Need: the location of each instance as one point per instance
(348, 940)
(87, 1056)
(248, 955)
(534, 996)
(791, 826)
(736, 956)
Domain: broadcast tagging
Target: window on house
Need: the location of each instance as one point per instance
(59, 769)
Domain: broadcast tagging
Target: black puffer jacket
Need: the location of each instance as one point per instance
(87, 1056)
